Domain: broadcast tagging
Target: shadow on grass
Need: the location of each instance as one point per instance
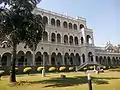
(69, 81)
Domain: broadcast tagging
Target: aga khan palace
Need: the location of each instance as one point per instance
(67, 41)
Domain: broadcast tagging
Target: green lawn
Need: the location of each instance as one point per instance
(73, 81)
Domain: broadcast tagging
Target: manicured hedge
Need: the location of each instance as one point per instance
(71, 68)
(39, 69)
(27, 70)
(62, 68)
(52, 69)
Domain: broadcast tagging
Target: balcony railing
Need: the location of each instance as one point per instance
(60, 15)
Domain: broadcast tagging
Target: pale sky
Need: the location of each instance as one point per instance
(103, 16)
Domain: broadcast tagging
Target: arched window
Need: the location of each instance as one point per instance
(81, 26)
(75, 27)
(71, 40)
(45, 20)
(70, 25)
(65, 39)
(53, 21)
(53, 37)
(88, 39)
(82, 40)
(58, 23)
(40, 17)
(76, 40)
(65, 24)
(45, 36)
(58, 38)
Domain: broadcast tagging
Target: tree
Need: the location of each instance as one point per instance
(19, 24)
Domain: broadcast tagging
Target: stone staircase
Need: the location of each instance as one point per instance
(86, 64)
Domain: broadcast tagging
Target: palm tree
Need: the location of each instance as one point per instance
(19, 24)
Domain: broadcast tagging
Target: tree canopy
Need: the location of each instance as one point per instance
(19, 24)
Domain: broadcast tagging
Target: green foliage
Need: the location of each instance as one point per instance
(85, 69)
(91, 67)
(16, 69)
(71, 68)
(39, 69)
(19, 24)
(2, 71)
(27, 70)
(62, 68)
(52, 69)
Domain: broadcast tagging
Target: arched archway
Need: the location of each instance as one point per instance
(59, 59)
(6, 59)
(21, 58)
(66, 58)
(71, 61)
(100, 59)
(46, 57)
(28, 58)
(96, 58)
(105, 60)
(38, 59)
(77, 59)
(113, 60)
(83, 57)
(109, 61)
(90, 56)
(53, 59)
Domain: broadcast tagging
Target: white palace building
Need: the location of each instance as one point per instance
(66, 41)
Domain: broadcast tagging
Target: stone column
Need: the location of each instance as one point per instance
(0, 62)
(50, 60)
(63, 61)
(43, 71)
(33, 63)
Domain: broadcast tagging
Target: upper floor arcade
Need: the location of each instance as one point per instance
(60, 21)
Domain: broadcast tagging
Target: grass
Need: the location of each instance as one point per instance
(73, 81)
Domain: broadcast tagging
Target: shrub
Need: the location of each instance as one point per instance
(62, 68)
(71, 68)
(104, 67)
(52, 69)
(27, 70)
(39, 69)
(16, 69)
(1, 73)
(85, 69)
(91, 67)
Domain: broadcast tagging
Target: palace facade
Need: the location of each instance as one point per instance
(66, 41)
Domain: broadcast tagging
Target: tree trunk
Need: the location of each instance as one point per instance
(12, 71)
